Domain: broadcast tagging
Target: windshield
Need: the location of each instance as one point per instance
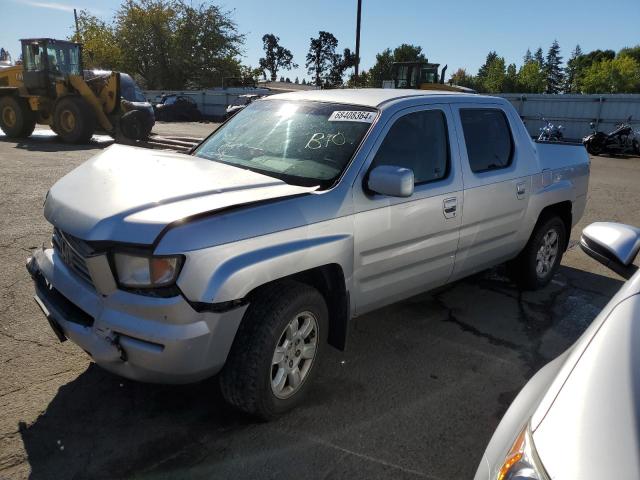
(302, 143)
(129, 90)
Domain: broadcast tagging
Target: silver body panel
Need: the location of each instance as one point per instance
(239, 230)
(583, 406)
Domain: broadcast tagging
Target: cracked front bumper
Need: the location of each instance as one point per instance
(160, 340)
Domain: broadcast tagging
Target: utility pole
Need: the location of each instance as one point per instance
(75, 16)
(358, 39)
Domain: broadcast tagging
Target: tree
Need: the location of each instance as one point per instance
(296, 81)
(174, 45)
(483, 70)
(633, 52)
(276, 56)
(527, 57)
(100, 45)
(339, 65)
(572, 72)
(461, 78)
(510, 84)
(408, 53)
(362, 81)
(620, 75)
(553, 70)
(531, 78)
(495, 76)
(321, 57)
(539, 57)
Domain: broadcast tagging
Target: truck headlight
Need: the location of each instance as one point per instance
(139, 271)
(522, 462)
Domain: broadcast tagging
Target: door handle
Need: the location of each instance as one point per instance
(521, 189)
(449, 207)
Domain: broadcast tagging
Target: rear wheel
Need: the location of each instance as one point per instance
(276, 350)
(17, 120)
(73, 120)
(539, 261)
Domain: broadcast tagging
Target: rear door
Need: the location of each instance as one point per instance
(407, 245)
(497, 168)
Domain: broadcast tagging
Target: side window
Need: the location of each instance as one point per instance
(418, 141)
(488, 138)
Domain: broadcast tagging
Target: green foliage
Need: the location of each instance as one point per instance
(573, 72)
(363, 80)
(321, 58)
(100, 47)
(620, 75)
(408, 53)
(633, 52)
(276, 56)
(553, 70)
(461, 78)
(165, 43)
(381, 70)
(531, 78)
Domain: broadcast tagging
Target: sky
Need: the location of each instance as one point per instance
(459, 33)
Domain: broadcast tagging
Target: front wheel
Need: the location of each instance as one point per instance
(539, 261)
(17, 120)
(74, 120)
(276, 350)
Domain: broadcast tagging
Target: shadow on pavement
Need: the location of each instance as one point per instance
(47, 141)
(422, 378)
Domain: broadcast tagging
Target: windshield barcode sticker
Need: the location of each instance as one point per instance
(352, 116)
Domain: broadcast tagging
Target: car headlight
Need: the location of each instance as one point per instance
(522, 462)
(139, 271)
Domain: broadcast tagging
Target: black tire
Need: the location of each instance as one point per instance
(74, 120)
(595, 145)
(17, 120)
(134, 125)
(246, 378)
(525, 268)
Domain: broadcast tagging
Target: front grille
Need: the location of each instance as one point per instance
(73, 252)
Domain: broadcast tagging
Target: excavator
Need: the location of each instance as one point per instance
(421, 76)
(51, 88)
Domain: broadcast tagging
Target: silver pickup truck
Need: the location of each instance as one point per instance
(304, 210)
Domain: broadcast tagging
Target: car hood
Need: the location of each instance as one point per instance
(591, 430)
(130, 194)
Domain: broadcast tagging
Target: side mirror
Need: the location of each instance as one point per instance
(615, 245)
(391, 180)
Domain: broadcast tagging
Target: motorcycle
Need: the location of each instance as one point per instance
(623, 139)
(550, 132)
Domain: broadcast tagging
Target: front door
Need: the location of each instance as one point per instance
(404, 246)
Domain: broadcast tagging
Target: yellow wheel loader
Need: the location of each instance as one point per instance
(51, 88)
(422, 76)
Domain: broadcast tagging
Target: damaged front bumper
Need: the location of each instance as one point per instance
(161, 340)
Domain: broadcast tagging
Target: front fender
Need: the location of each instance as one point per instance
(231, 271)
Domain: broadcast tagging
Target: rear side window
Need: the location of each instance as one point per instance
(418, 141)
(488, 138)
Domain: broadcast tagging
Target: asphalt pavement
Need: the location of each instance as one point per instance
(417, 394)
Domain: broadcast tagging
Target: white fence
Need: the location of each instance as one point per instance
(212, 103)
(575, 112)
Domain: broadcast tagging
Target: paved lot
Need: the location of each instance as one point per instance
(417, 395)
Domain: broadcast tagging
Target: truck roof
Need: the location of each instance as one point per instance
(370, 97)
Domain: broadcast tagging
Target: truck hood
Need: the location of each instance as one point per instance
(130, 194)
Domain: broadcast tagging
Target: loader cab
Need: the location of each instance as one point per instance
(414, 74)
(46, 61)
